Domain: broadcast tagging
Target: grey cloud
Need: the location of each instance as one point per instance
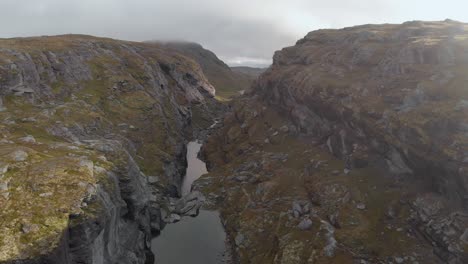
(240, 32)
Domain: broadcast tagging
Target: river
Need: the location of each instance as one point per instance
(193, 240)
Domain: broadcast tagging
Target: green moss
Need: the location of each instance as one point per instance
(57, 87)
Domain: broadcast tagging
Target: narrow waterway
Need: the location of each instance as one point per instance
(195, 167)
(193, 240)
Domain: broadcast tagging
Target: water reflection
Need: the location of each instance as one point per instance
(195, 167)
(199, 240)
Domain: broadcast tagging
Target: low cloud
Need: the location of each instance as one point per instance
(242, 32)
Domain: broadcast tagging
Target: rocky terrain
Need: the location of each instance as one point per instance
(93, 136)
(228, 82)
(351, 148)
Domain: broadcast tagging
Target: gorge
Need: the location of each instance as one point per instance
(201, 239)
(352, 147)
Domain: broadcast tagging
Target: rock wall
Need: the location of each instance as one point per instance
(93, 141)
(389, 95)
(388, 103)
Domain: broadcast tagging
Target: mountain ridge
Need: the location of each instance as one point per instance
(351, 147)
(229, 83)
(93, 134)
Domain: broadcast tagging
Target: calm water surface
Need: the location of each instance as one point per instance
(193, 240)
(195, 167)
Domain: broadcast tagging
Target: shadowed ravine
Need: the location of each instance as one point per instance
(195, 240)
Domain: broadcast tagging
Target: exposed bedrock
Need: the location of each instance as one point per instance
(93, 134)
(388, 97)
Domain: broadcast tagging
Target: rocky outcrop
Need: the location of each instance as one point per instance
(366, 124)
(390, 92)
(93, 136)
(374, 86)
(228, 82)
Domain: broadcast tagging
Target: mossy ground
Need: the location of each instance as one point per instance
(118, 102)
(261, 209)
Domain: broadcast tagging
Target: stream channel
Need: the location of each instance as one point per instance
(192, 240)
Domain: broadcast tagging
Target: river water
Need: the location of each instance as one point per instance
(193, 240)
(195, 167)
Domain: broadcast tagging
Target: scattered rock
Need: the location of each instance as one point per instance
(189, 204)
(464, 236)
(239, 239)
(3, 168)
(29, 120)
(28, 139)
(28, 228)
(334, 219)
(329, 249)
(172, 218)
(361, 206)
(20, 90)
(6, 141)
(463, 104)
(297, 209)
(4, 190)
(305, 224)
(2, 107)
(284, 129)
(19, 155)
(244, 176)
(153, 179)
(396, 164)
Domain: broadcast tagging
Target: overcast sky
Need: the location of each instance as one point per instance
(241, 32)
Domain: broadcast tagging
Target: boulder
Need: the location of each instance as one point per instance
(28, 139)
(19, 155)
(172, 218)
(305, 224)
(190, 204)
(239, 239)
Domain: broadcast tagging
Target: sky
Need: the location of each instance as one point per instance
(240, 32)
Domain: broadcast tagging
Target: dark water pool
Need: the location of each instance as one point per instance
(193, 240)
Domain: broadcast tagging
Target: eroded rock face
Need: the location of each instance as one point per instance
(375, 141)
(228, 82)
(391, 89)
(83, 120)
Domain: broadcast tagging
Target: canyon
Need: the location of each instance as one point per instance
(352, 147)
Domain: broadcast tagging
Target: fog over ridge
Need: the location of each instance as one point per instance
(240, 32)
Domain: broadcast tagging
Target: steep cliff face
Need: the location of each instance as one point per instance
(403, 86)
(353, 145)
(93, 138)
(228, 82)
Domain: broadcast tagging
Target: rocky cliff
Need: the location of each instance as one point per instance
(93, 135)
(228, 82)
(351, 148)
